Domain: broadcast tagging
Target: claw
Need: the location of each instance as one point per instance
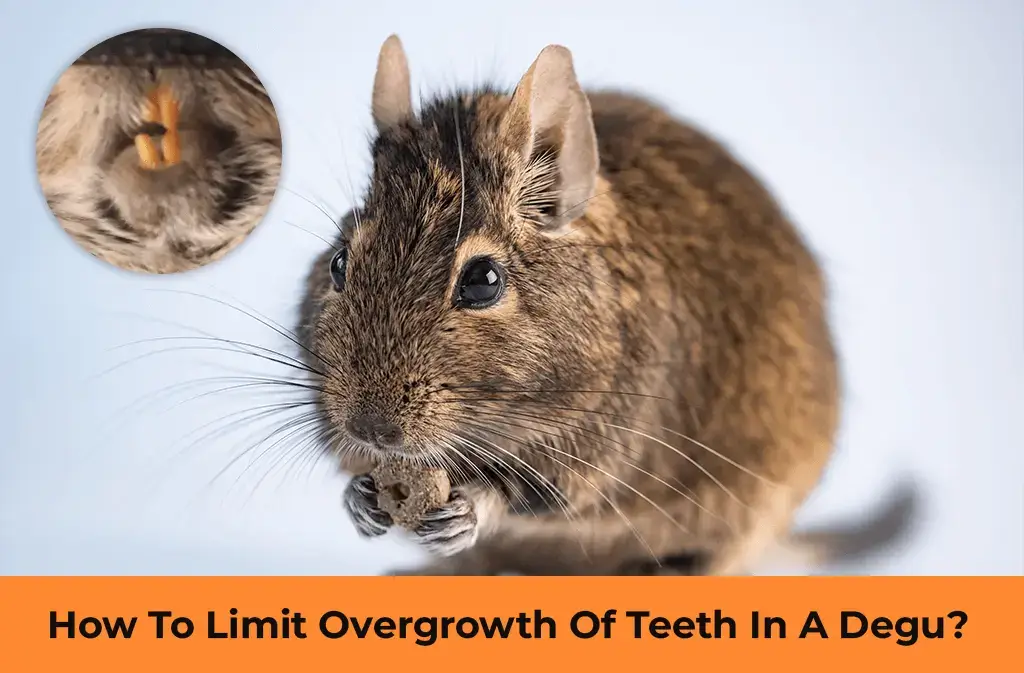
(160, 107)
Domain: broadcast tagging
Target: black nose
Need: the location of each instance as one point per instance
(373, 429)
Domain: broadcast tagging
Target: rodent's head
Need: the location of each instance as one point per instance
(455, 282)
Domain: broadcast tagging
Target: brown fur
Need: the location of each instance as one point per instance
(680, 317)
(171, 220)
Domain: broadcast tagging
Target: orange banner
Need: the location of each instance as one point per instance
(501, 624)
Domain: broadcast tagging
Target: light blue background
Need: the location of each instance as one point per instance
(891, 130)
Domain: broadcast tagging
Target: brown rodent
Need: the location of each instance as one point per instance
(594, 317)
(182, 216)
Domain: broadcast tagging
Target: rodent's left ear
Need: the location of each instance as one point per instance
(550, 111)
(392, 91)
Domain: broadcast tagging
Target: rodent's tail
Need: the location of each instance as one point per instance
(857, 539)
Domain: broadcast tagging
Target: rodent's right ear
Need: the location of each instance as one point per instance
(392, 91)
(550, 114)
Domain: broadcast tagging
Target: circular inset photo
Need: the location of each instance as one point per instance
(158, 150)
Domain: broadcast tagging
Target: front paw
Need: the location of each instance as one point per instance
(360, 502)
(450, 529)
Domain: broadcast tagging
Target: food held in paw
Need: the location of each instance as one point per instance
(407, 492)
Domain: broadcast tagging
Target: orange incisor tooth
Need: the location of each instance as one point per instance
(160, 106)
(171, 147)
(171, 144)
(149, 157)
(168, 107)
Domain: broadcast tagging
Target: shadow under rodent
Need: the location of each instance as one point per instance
(649, 383)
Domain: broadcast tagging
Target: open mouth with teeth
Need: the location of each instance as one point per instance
(160, 124)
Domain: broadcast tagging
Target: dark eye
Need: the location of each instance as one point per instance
(481, 284)
(339, 264)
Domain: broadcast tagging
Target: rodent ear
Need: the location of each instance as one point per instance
(549, 115)
(392, 92)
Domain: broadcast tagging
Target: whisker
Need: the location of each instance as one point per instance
(309, 434)
(546, 391)
(284, 428)
(270, 383)
(481, 475)
(323, 211)
(683, 436)
(603, 472)
(628, 463)
(235, 419)
(443, 461)
(203, 335)
(153, 397)
(462, 174)
(173, 349)
(348, 178)
(327, 164)
(675, 450)
(248, 374)
(315, 235)
(313, 451)
(208, 432)
(456, 468)
(502, 412)
(569, 209)
(262, 352)
(489, 457)
(544, 481)
(629, 523)
(266, 322)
